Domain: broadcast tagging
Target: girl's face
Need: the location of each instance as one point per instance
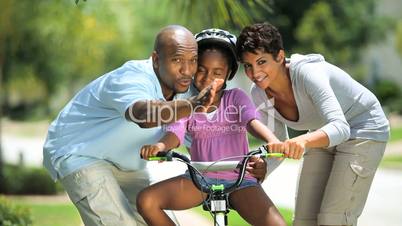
(261, 68)
(212, 64)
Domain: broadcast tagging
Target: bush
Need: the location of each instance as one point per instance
(11, 215)
(389, 94)
(13, 178)
(386, 90)
(395, 105)
(38, 181)
(23, 180)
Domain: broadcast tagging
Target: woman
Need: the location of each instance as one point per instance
(217, 132)
(347, 127)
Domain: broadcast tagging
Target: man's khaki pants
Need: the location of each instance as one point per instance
(105, 195)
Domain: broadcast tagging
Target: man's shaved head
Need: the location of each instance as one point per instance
(174, 59)
(171, 36)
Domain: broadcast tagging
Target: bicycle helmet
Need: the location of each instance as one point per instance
(215, 36)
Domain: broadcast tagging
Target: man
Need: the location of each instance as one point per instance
(93, 145)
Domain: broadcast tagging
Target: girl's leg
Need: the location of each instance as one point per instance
(253, 204)
(177, 193)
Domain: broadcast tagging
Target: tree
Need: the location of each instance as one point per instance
(5, 27)
(43, 50)
(340, 29)
(58, 44)
(398, 36)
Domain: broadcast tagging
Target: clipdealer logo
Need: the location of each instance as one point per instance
(232, 114)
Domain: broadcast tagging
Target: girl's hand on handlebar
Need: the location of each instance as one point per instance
(257, 168)
(151, 150)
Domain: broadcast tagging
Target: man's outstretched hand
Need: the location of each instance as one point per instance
(205, 98)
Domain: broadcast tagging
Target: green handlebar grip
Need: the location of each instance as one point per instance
(155, 158)
(218, 187)
(279, 155)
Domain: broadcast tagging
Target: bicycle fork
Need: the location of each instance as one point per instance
(217, 205)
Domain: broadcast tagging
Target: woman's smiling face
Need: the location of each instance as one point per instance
(212, 64)
(261, 67)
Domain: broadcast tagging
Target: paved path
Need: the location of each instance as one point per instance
(382, 208)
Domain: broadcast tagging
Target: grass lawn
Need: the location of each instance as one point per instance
(392, 162)
(54, 215)
(50, 214)
(396, 134)
(65, 214)
(234, 218)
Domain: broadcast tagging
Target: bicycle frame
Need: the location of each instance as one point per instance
(217, 201)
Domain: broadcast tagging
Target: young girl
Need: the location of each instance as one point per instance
(217, 132)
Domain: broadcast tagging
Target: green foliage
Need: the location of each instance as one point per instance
(389, 94)
(38, 181)
(319, 29)
(12, 215)
(386, 90)
(76, 1)
(339, 29)
(286, 15)
(227, 14)
(50, 49)
(22, 180)
(52, 45)
(398, 36)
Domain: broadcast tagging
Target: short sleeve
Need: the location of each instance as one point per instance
(122, 91)
(178, 128)
(247, 109)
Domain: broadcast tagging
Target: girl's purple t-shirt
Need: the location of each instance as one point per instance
(222, 135)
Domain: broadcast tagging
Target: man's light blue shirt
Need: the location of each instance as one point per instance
(92, 126)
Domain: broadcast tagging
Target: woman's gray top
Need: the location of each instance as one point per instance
(328, 99)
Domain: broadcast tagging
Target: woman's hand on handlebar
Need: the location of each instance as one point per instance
(151, 150)
(292, 148)
(275, 147)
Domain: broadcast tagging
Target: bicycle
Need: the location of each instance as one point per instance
(217, 199)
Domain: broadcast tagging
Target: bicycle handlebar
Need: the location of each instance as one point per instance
(193, 167)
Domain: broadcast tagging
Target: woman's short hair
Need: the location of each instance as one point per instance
(259, 36)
